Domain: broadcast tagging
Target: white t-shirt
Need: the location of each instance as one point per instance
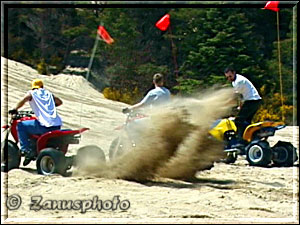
(244, 87)
(156, 96)
(43, 106)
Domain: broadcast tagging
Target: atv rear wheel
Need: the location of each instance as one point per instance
(284, 154)
(90, 155)
(51, 161)
(259, 153)
(10, 156)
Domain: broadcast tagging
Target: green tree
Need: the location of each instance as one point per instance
(139, 50)
(203, 41)
(271, 89)
(217, 38)
(47, 35)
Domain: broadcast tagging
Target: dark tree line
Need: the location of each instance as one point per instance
(202, 42)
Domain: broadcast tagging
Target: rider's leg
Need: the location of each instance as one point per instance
(136, 127)
(245, 116)
(253, 109)
(27, 128)
(24, 129)
(241, 126)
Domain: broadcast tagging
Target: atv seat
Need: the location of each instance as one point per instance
(266, 126)
(43, 139)
(36, 136)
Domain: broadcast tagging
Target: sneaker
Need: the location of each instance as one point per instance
(4, 167)
(26, 161)
(28, 157)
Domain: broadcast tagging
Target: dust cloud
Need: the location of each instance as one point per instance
(174, 143)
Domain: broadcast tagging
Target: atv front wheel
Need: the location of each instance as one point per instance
(10, 156)
(259, 153)
(90, 155)
(116, 148)
(51, 161)
(231, 157)
(284, 154)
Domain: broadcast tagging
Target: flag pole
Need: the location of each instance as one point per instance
(92, 57)
(88, 72)
(173, 49)
(279, 67)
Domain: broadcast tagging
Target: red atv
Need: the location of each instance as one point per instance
(50, 147)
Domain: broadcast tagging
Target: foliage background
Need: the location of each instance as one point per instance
(205, 41)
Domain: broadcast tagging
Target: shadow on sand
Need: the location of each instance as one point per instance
(34, 171)
(191, 183)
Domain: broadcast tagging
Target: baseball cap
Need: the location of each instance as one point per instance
(37, 83)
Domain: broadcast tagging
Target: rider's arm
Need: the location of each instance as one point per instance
(146, 100)
(138, 105)
(23, 101)
(58, 101)
(239, 98)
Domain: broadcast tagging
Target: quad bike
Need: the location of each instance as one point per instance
(257, 149)
(129, 135)
(50, 148)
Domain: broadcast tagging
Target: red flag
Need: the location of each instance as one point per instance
(272, 5)
(163, 23)
(104, 35)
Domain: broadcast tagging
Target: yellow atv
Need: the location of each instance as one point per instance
(257, 149)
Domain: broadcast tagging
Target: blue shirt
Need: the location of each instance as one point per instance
(157, 96)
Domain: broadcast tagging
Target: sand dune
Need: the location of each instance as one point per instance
(149, 181)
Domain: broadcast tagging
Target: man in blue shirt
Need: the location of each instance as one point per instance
(155, 97)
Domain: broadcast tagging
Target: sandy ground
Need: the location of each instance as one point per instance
(236, 193)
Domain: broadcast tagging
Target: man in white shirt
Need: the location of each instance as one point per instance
(43, 104)
(157, 96)
(250, 100)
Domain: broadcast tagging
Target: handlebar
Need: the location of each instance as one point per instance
(133, 115)
(21, 114)
(26, 112)
(126, 111)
